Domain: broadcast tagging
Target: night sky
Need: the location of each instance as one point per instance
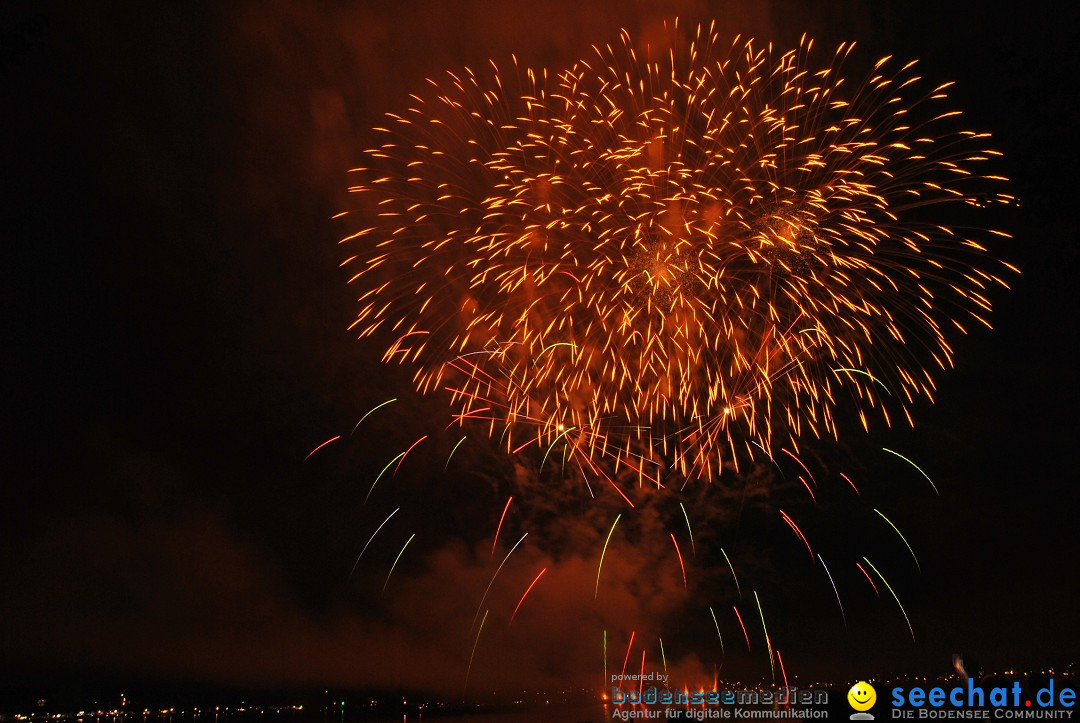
(175, 344)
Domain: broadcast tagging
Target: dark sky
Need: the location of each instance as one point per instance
(175, 344)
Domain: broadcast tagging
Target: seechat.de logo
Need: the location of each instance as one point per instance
(862, 697)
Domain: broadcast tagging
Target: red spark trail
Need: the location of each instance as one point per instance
(332, 439)
(527, 590)
(681, 564)
(782, 671)
(741, 625)
(868, 578)
(789, 454)
(499, 528)
(627, 658)
(798, 532)
(812, 496)
(407, 453)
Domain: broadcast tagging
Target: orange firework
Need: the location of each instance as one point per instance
(665, 257)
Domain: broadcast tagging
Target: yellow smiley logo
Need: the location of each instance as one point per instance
(862, 696)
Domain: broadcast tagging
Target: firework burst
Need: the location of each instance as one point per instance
(662, 258)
